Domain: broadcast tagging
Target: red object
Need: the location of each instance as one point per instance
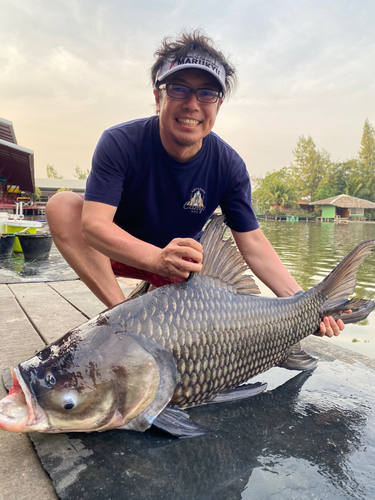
(132, 272)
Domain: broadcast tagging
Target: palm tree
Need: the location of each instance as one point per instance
(355, 187)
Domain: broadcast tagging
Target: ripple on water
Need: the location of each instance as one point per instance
(310, 251)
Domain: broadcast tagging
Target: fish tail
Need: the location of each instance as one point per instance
(340, 284)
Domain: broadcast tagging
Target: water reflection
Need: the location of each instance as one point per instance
(17, 270)
(311, 250)
(314, 431)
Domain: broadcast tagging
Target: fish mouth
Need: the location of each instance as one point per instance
(19, 411)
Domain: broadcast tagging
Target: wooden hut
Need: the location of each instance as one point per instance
(343, 207)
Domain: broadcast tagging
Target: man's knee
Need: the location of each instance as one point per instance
(63, 204)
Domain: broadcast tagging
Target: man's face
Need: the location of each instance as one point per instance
(184, 123)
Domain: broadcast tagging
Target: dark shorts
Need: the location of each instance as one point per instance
(132, 272)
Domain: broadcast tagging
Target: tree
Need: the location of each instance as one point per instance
(52, 173)
(309, 167)
(366, 157)
(63, 189)
(80, 174)
(335, 179)
(366, 154)
(37, 194)
(275, 190)
(355, 187)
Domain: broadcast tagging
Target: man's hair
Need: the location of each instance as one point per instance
(182, 45)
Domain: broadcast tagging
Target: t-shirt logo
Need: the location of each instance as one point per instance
(196, 202)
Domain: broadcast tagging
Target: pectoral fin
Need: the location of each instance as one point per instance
(178, 423)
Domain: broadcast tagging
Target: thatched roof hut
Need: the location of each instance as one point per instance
(343, 206)
(345, 201)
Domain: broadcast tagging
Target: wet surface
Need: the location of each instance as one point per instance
(18, 270)
(312, 436)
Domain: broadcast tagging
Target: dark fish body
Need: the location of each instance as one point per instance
(182, 345)
(218, 338)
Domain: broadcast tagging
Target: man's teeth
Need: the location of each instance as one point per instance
(185, 121)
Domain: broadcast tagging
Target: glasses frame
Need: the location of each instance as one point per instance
(165, 86)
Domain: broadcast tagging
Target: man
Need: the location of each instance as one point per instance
(155, 182)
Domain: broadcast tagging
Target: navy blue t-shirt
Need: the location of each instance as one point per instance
(159, 198)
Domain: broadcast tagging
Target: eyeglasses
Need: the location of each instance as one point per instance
(182, 92)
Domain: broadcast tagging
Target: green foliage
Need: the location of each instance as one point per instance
(355, 187)
(80, 174)
(309, 168)
(324, 190)
(275, 190)
(314, 176)
(52, 173)
(37, 194)
(366, 157)
(63, 189)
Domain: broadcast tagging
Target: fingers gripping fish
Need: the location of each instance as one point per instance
(185, 344)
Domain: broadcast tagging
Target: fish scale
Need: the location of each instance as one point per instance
(239, 337)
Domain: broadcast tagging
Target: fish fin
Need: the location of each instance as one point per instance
(298, 359)
(139, 290)
(178, 424)
(242, 392)
(7, 379)
(341, 282)
(360, 310)
(221, 259)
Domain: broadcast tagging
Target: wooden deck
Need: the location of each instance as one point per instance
(33, 315)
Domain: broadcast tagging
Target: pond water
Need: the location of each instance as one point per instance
(310, 250)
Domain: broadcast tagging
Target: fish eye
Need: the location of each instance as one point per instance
(50, 379)
(69, 404)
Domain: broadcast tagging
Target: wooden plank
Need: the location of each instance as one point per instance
(18, 338)
(51, 314)
(5, 292)
(21, 473)
(77, 293)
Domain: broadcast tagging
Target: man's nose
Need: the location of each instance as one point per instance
(191, 101)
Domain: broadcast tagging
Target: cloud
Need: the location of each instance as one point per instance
(69, 69)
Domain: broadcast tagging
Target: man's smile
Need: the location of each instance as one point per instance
(188, 121)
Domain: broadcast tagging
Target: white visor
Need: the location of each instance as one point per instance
(196, 60)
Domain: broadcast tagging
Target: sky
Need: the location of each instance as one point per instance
(69, 69)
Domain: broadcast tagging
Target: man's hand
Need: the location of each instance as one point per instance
(179, 258)
(330, 327)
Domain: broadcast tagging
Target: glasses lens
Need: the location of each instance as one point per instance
(207, 95)
(177, 91)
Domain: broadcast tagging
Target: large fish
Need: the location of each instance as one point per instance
(185, 344)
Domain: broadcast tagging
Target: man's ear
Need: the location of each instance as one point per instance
(157, 100)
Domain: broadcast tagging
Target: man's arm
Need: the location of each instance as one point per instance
(264, 262)
(180, 257)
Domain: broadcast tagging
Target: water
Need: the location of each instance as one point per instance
(18, 270)
(311, 250)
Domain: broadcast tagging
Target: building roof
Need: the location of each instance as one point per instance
(16, 162)
(55, 184)
(6, 131)
(345, 201)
